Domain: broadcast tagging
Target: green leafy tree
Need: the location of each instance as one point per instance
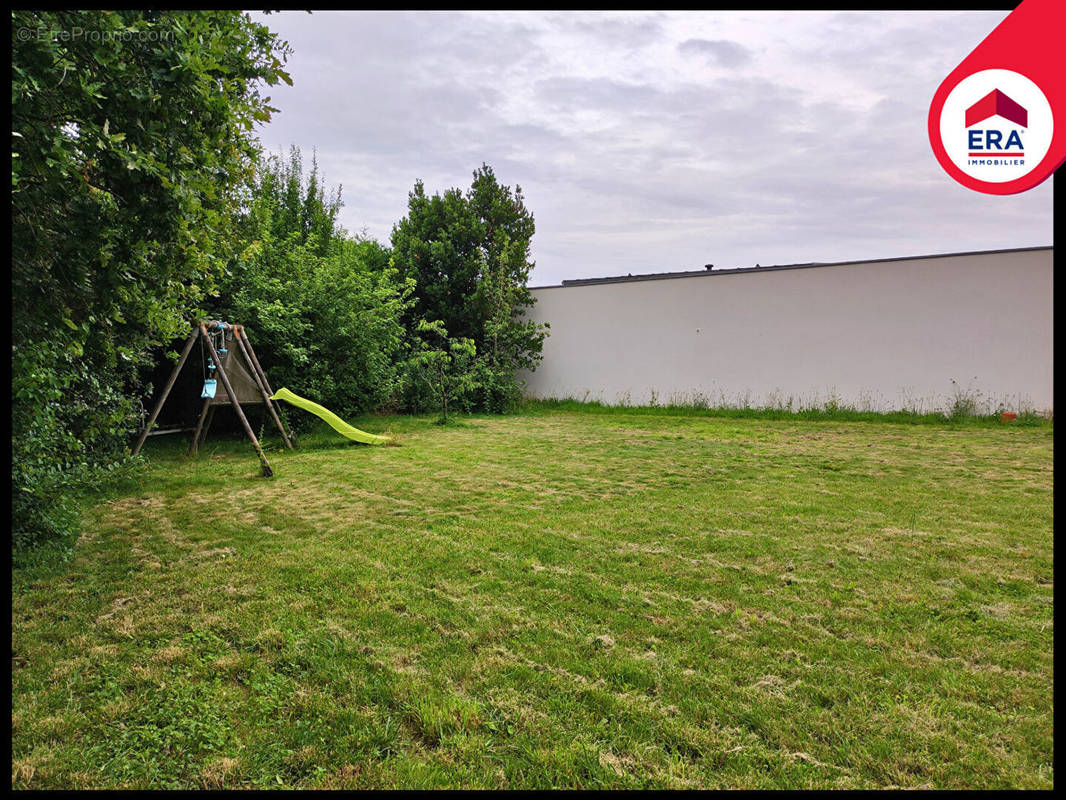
(468, 254)
(284, 202)
(325, 308)
(132, 132)
(444, 363)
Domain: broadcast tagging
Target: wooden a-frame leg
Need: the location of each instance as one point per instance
(194, 445)
(262, 375)
(238, 330)
(166, 391)
(267, 471)
(207, 426)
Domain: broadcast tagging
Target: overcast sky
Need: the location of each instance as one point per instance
(651, 142)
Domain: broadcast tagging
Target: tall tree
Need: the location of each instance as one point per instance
(131, 134)
(468, 254)
(324, 308)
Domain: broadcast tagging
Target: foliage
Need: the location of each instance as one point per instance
(137, 206)
(324, 308)
(444, 364)
(131, 132)
(283, 203)
(469, 257)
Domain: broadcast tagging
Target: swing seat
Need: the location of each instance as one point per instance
(209, 388)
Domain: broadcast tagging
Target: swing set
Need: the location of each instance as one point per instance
(226, 351)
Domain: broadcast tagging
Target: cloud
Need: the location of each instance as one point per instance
(725, 53)
(651, 142)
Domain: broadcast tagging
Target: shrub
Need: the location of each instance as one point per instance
(324, 309)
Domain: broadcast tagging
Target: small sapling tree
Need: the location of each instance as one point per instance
(444, 363)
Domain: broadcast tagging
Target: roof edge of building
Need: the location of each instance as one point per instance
(658, 276)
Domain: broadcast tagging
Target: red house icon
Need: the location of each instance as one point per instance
(995, 102)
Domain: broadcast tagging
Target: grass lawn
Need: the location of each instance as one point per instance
(562, 599)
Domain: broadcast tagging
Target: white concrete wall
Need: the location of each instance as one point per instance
(874, 335)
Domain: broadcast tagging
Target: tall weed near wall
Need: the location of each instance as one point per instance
(700, 406)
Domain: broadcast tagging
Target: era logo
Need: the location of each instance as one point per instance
(996, 104)
(991, 140)
(1011, 79)
(995, 126)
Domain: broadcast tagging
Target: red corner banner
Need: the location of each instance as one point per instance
(992, 121)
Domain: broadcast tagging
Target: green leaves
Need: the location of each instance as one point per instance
(469, 257)
(125, 172)
(443, 363)
(323, 309)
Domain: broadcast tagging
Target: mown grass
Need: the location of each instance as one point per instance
(558, 599)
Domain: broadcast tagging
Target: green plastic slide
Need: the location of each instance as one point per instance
(335, 422)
